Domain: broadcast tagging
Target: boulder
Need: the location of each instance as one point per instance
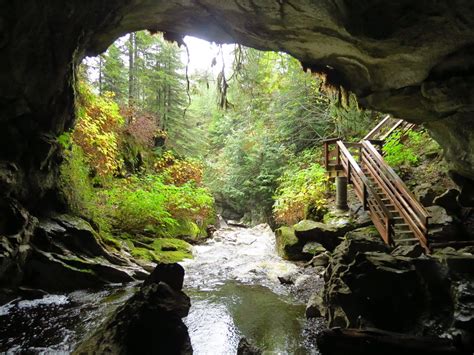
(425, 193)
(149, 323)
(17, 227)
(315, 307)
(328, 235)
(448, 200)
(288, 245)
(171, 274)
(412, 251)
(442, 227)
(313, 248)
(67, 254)
(321, 259)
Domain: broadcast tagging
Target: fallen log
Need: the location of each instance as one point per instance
(338, 341)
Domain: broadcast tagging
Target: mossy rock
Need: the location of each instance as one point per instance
(313, 248)
(164, 250)
(288, 245)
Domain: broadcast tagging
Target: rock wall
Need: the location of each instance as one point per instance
(369, 285)
(412, 59)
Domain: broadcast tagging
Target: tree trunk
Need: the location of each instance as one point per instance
(132, 43)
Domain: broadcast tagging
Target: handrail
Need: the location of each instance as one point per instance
(391, 130)
(378, 173)
(394, 176)
(369, 192)
(412, 212)
(376, 128)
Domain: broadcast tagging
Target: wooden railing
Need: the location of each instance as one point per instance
(350, 160)
(386, 127)
(410, 209)
(341, 159)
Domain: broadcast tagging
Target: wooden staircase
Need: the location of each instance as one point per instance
(396, 213)
(386, 127)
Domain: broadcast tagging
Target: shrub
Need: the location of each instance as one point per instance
(404, 150)
(179, 171)
(302, 190)
(149, 205)
(96, 132)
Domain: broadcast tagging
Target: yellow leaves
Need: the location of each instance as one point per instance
(96, 131)
(179, 170)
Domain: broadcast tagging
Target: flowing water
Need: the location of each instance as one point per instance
(234, 290)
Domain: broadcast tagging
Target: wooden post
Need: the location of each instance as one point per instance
(341, 193)
(364, 194)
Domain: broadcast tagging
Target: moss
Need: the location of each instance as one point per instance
(305, 225)
(110, 240)
(175, 250)
(288, 245)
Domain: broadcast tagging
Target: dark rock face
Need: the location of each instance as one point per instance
(149, 323)
(16, 230)
(404, 291)
(412, 59)
(61, 253)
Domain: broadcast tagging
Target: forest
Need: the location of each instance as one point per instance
(157, 153)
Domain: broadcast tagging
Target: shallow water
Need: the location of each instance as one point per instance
(55, 323)
(234, 290)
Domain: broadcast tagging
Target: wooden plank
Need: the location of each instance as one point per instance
(392, 192)
(404, 189)
(376, 128)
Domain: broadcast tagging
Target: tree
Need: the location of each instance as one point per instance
(114, 74)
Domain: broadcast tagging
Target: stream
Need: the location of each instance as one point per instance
(235, 292)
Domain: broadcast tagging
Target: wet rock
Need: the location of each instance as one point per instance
(315, 307)
(328, 235)
(404, 291)
(412, 251)
(221, 223)
(320, 260)
(67, 254)
(460, 265)
(448, 200)
(149, 323)
(464, 306)
(210, 230)
(172, 274)
(425, 194)
(246, 348)
(442, 227)
(56, 273)
(17, 227)
(313, 248)
(289, 246)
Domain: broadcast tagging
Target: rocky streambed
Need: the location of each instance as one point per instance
(236, 291)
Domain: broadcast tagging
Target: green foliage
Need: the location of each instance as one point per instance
(302, 191)
(97, 130)
(148, 205)
(113, 72)
(75, 184)
(405, 150)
